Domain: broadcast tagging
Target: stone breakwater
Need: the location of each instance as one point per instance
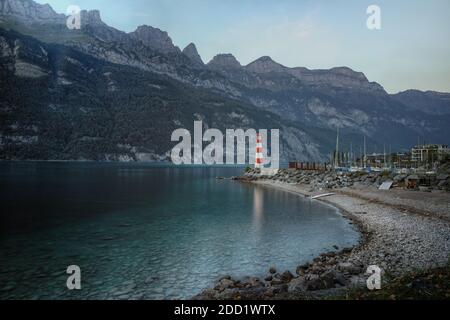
(318, 180)
(396, 239)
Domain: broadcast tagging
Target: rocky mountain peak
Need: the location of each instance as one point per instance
(28, 12)
(91, 17)
(340, 77)
(347, 72)
(224, 62)
(430, 102)
(191, 52)
(154, 38)
(264, 65)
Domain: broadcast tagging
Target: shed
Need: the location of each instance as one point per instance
(412, 181)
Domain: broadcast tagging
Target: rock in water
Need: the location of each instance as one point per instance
(287, 276)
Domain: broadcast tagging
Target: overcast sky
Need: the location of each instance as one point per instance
(411, 51)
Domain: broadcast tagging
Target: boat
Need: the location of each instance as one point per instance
(322, 195)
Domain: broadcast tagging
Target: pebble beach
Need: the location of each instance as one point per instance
(402, 231)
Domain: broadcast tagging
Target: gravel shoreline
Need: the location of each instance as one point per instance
(397, 238)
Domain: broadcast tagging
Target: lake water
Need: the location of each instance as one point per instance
(142, 231)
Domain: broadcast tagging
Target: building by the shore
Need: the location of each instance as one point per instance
(429, 153)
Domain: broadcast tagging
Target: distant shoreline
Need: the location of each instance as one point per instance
(156, 163)
(84, 161)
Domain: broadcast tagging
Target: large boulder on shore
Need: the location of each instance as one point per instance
(224, 284)
(252, 282)
(313, 282)
(301, 270)
(297, 285)
(350, 268)
(273, 290)
(287, 276)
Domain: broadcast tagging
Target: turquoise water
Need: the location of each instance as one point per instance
(149, 232)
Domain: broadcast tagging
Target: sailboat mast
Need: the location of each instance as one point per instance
(390, 156)
(365, 158)
(351, 154)
(336, 163)
(360, 156)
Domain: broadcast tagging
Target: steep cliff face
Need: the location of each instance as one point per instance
(155, 39)
(91, 17)
(28, 11)
(224, 62)
(24, 61)
(191, 52)
(341, 77)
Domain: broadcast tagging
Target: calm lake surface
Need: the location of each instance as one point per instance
(141, 231)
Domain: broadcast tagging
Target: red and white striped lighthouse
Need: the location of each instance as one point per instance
(259, 159)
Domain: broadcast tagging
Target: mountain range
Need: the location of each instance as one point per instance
(99, 93)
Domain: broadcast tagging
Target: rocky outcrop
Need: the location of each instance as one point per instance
(265, 65)
(341, 77)
(91, 17)
(224, 62)
(92, 25)
(28, 12)
(154, 38)
(191, 52)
